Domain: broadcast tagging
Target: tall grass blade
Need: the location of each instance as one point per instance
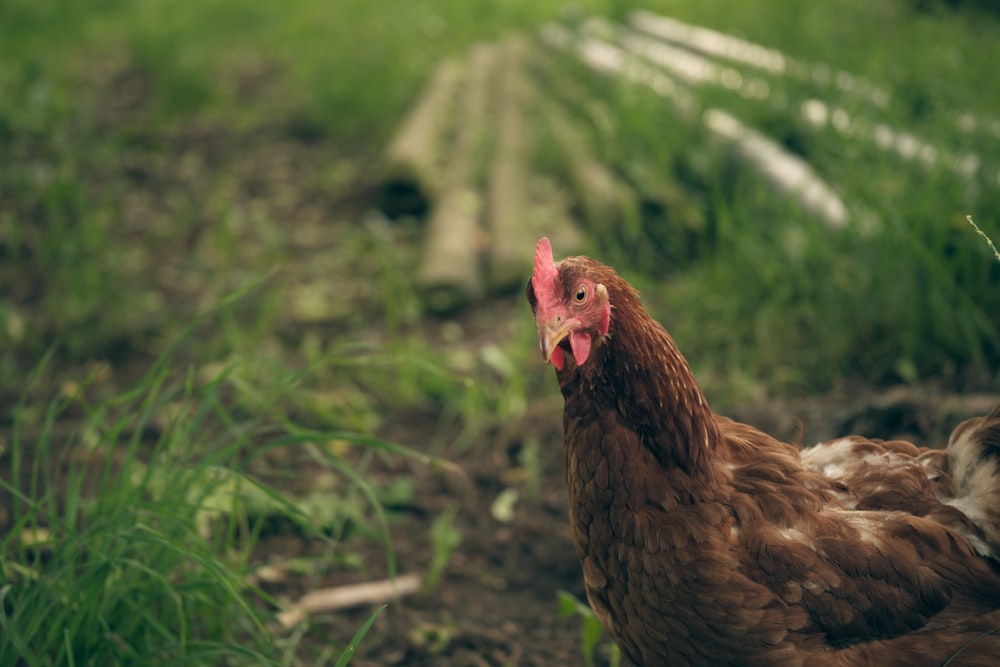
(352, 647)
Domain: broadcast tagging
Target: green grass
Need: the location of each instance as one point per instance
(776, 295)
(132, 535)
(354, 64)
(591, 630)
(345, 81)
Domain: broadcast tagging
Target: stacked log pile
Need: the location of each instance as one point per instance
(466, 154)
(466, 158)
(509, 143)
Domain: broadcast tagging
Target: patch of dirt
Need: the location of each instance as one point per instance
(496, 603)
(498, 597)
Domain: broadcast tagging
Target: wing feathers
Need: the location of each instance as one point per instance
(870, 536)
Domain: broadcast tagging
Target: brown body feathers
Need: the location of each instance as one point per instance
(704, 541)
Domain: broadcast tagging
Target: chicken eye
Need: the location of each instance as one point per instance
(581, 294)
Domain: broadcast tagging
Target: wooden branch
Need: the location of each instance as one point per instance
(523, 204)
(647, 63)
(511, 233)
(413, 171)
(345, 597)
(449, 274)
(788, 173)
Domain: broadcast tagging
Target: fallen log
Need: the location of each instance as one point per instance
(414, 161)
(652, 212)
(510, 225)
(786, 172)
(449, 274)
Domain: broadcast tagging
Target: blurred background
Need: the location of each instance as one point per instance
(262, 327)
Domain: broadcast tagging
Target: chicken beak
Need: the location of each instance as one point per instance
(551, 333)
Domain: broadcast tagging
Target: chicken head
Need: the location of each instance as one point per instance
(571, 312)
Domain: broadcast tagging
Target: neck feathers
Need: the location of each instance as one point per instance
(639, 372)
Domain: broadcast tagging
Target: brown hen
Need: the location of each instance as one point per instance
(704, 541)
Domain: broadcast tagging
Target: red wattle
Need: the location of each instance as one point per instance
(579, 341)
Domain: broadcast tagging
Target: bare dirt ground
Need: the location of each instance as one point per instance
(496, 603)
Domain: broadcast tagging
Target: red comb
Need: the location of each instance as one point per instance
(543, 280)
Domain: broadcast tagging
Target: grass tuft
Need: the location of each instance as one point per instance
(132, 536)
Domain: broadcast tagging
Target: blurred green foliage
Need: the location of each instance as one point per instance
(156, 154)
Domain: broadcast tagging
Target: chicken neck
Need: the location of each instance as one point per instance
(648, 514)
(638, 377)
